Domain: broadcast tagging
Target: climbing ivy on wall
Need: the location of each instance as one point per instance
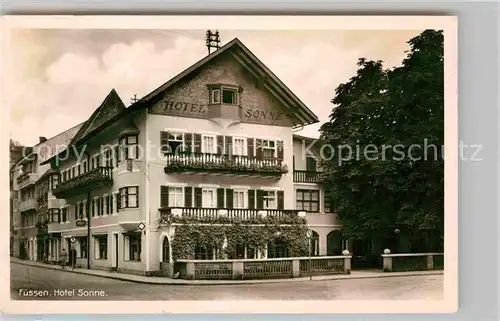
(214, 231)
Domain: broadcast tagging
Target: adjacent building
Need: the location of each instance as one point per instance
(211, 151)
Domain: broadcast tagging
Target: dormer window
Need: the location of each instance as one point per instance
(229, 96)
(215, 96)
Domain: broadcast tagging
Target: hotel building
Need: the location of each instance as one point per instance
(214, 144)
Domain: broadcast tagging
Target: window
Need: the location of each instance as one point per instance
(175, 142)
(134, 247)
(84, 166)
(239, 146)
(83, 246)
(268, 149)
(270, 201)
(239, 199)
(327, 203)
(277, 250)
(129, 197)
(105, 208)
(215, 96)
(81, 213)
(245, 251)
(101, 247)
(112, 202)
(108, 157)
(129, 148)
(208, 145)
(175, 197)
(202, 252)
(229, 97)
(54, 215)
(307, 200)
(53, 181)
(208, 198)
(64, 214)
(311, 164)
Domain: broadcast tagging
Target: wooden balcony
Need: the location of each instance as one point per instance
(306, 177)
(224, 165)
(28, 204)
(95, 178)
(170, 214)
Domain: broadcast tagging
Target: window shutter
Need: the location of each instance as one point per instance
(197, 197)
(188, 139)
(93, 207)
(220, 145)
(163, 196)
(250, 147)
(188, 196)
(108, 204)
(164, 142)
(76, 212)
(258, 144)
(197, 143)
(251, 199)
(101, 203)
(118, 197)
(220, 198)
(111, 201)
(281, 200)
(280, 148)
(229, 145)
(260, 199)
(116, 153)
(229, 198)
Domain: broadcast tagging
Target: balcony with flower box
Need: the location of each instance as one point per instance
(171, 215)
(224, 165)
(90, 180)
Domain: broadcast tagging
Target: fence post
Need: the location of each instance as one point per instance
(295, 268)
(190, 270)
(387, 261)
(347, 261)
(238, 270)
(430, 262)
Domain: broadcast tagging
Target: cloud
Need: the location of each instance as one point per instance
(73, 83)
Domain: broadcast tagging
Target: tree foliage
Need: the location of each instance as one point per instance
(393, 122)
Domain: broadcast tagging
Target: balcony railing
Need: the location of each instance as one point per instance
(306, 177)
(95, 178)
(230, 214)
(225, 164)
(28, 204)
(26, 179)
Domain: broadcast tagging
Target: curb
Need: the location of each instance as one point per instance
(233, 282)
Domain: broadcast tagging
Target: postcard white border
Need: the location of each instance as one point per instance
(449, 26)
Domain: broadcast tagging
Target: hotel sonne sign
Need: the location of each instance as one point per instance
(189, 109)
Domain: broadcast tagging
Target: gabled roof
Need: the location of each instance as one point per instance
(110, 107)
(265, 76)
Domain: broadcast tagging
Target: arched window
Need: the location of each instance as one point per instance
(334, 243)
(315, 244)
(166, 250)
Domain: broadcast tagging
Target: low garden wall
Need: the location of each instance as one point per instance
(402, 262)
(263, 268)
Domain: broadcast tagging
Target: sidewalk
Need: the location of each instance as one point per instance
(169, 281)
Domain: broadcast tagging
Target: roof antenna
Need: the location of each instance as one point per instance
(213, 40)
(134, 99)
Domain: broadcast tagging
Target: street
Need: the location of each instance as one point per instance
(35, 283)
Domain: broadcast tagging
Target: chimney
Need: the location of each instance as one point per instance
(42, 139)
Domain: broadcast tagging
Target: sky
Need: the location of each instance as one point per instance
(60, 76)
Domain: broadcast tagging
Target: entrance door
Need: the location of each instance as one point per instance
(115, 252)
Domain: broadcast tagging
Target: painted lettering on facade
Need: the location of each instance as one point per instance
(182, 108)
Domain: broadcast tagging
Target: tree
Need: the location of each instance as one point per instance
(391, 124)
